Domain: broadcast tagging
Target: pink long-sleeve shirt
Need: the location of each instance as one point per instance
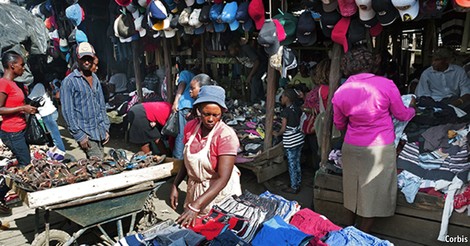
(364, 105)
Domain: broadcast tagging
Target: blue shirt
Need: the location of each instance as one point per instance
(83, 107)
(453, 82)
(186, 101)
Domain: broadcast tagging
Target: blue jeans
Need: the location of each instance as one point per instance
(179, 145)
(50, 121)
(16, 142)
(293, 159)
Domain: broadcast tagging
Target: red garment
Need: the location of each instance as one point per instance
(224, 141)
(311, 99)
(15, 98)
(314, 224)
(157, 111)
(217, 222)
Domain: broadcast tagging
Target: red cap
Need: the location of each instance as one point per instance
(256, 12)
(281, 33)
(347, 8)
(376, 30)
(339, 32)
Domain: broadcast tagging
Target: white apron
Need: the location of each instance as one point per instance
(201, 173)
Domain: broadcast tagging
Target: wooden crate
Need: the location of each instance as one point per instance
(415, 224)
(268, 164)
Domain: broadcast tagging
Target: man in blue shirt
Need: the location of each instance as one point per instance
(83, 105)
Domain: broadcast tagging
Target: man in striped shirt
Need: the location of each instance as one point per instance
(83, 105)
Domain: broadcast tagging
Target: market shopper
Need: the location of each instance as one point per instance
(254, 61)
(146, 122)
(292, 138)
(13, 110)
(83, 105)
(182, 104)
(303, 76)
(444, 81)
(209, 157)
(369, 156)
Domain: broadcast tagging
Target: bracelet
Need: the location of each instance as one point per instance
(193, 209)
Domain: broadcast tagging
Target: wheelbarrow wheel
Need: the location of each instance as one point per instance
(56, 237)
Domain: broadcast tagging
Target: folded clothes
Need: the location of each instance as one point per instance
(352, 236)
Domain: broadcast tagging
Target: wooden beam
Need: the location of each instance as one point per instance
(270, 94)
(203, 53)
(169, 78)
(335, 76)
(97, 186)
(428, 46)
(466, 34)
(136, 54)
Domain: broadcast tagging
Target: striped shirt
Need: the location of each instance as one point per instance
(83, 107)
(292, 136)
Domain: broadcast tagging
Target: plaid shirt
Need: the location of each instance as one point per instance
(83, 107)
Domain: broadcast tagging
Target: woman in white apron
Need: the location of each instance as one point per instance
(209, 158)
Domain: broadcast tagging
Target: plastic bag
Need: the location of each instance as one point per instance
(171, 127)
(35, 133)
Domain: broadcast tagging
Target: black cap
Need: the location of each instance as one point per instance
(356, 32)
(204, 15)
(328, 21)
(386, 12)
(306, 29)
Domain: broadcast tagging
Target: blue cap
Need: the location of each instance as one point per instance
(219, 27)
(80, 36)
(200, 30)
(215, 12)
(248, 25)
(200, 1)
(228, 15)
(155, 12)
(242, 12)
(74, 14)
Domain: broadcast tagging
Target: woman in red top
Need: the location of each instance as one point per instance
(146, 121)
(13, 110)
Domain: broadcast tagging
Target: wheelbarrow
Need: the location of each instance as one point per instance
(95, 212)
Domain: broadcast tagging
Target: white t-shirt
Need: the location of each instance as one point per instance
(38, 91)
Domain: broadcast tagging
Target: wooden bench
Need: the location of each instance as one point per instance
(413, 224)
(268, 164)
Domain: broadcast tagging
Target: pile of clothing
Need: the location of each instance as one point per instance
(248, 121)
(250, 219)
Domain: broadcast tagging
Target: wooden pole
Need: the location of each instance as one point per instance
(136, 54)
(203, 54)
(335, 76)
(270, 94)
(169, 78)
(466, 34)
(428, 46)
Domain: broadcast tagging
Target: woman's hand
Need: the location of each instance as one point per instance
(28, 109)
(187, 218)
(174, 197)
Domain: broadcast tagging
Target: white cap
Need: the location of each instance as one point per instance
(189, 2)
(408, 9)
(365, 9)
(194, 18)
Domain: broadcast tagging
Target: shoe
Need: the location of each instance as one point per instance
(291, 190)
(4, 209)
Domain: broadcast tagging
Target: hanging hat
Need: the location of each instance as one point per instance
(256, 12)
(275, 61)
(281, 33)
(267, 37)
(408, 9)
(306, 29)
(74, 14)
(243, 17)
(123, 3)
(347, 8)
(289, 22)
(194, 18)
(125, 26)
(216, 11)
(338, 35)
(460, 8)
(157, 10)
(328, 21)
(289, 61)
(386, 12)
(463, 3)
(366, 12)
(172, 6)
(228, 15)
(356, 32)
(169, 30)
(189, 3)
(330, 5)
(204, 16)
(80, 36)
(63, 45)
(138, 25)
(184, 17)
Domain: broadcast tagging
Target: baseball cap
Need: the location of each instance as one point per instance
(63, 45)
(328, 21)
(74, 14)
(204, 16)
(157, 10)
(123, 2)
(189, 3)
(125, 26)
(243, 17)
(268, 37)
(172, 6)
(386, 12)
(356, 32)
(338, 35)
(80, 36)
(194, 18)
(458, 7)
(365, 9)
(306, 29)
(228, 15)
(408, 9)
(463, 3)
(281, 33)
(184, 16)
(248, 25)
(289, 22)
(200, 1)
(289, 61)
(85, 49)
(347, 8)
(329, 5)
(214, 15)
(256, 12)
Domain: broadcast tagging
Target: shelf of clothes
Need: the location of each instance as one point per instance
(250, 219)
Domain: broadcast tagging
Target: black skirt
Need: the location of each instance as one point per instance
(140, 131)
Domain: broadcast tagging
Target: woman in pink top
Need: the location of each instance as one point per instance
(364, 106)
